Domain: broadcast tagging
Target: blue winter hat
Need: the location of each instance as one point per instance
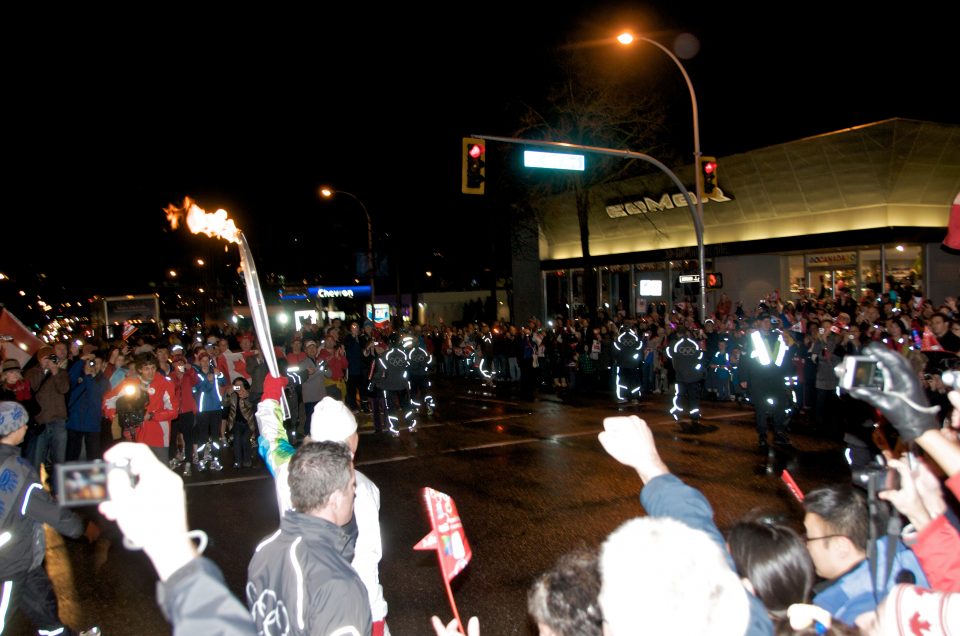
(12, 417)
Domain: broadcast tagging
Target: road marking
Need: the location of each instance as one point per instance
(485, 399)
(495, 418)
(229, 480)
(491, 445)
(728, 416)
(580, 434)
(387, 460)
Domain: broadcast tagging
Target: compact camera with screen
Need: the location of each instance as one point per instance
(85, 483)
(861, 371)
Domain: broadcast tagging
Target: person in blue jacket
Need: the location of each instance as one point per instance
(837, 523)
(209, 401)
(85, 407)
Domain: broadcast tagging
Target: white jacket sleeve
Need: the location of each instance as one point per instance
(369, 550)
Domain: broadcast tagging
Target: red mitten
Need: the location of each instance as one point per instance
(273, 387)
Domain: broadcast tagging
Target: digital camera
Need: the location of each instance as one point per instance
(876, 478)
(861, 371)
(85, 483)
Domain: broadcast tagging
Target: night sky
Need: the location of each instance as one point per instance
(252, 111)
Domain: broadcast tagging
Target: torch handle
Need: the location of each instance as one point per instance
(258, 312)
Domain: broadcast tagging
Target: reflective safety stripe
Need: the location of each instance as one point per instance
(762, 351)
(26, 498)
(676, 407)
(781, 350)
(299, 572)
(268, 540)
(44, 632)
(5, 603)
(760, 348)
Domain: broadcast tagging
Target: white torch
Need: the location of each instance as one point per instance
(219, 225)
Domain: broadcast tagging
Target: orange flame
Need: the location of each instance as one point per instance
(199, 221)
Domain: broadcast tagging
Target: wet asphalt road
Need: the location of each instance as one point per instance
(530, 481)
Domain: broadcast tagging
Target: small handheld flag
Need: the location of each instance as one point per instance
(792, 485)
(448, 537)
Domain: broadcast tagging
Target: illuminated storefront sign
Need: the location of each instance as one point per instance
(644, 204)
(339, 292)
(835, 259)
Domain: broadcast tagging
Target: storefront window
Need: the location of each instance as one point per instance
(829, 272)
(615, 287)
(871, 272)
(798, 282)
(557, 284)
(576, 299)
(904, 268)
(651, 285)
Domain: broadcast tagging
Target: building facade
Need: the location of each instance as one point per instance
(856, 208)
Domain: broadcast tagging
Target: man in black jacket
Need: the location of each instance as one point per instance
(300, 580)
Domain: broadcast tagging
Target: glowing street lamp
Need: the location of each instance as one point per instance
(328, 192)
(627, 38)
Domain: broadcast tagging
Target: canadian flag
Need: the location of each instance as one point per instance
(233, 364)
(19, 343)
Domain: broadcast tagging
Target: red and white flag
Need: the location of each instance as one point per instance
(447, 535)
(128, 330)
(233, 364)
(19, 343)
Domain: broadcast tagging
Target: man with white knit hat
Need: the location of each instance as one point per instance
(331, 421)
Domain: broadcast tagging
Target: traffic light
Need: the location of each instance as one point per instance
(474, 164)
(714, 280)
(708, 173)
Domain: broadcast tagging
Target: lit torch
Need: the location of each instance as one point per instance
(219, 225)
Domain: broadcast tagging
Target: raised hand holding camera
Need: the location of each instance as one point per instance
(150, 509)
(902, 400)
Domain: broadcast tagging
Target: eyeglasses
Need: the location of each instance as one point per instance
(826, 536)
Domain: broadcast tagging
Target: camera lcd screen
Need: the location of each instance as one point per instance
(82, 483)
(867, 374)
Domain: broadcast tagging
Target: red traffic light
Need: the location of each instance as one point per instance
(709, 167)
(476, 150)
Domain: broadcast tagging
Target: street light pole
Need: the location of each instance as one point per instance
(328, 193)
(627, 38)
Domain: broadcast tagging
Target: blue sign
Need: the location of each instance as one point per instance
(339, 292)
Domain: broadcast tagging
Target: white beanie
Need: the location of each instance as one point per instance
(332, 421)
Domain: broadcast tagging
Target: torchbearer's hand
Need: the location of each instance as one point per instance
(151, 514)
(473, 627)
(902, 400)
(273, 387)
(630, 441)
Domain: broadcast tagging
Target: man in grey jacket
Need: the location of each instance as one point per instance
(299, 580)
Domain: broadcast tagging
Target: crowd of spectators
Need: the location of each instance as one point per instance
(184, 400)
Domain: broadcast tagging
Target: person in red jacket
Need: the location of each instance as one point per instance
(152, 398)
(183, 379)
